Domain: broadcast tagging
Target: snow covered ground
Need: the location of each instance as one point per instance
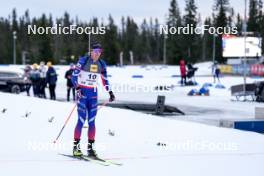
(186, 148)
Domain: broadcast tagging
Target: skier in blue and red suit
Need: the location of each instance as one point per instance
(85, 79)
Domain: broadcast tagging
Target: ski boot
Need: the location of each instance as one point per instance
(90, 150)
(76, 148)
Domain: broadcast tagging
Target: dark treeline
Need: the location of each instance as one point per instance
(144, 40)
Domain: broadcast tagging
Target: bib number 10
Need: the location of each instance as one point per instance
(92, 76)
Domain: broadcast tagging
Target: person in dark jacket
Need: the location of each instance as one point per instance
(51, 80)
(42, 84)
(216, 72)
(68, 76)
(35, 79)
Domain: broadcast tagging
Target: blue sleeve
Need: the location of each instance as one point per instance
(104, 76)
(77, 70)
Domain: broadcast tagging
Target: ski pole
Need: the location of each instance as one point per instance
(70, 117)
(65, 124)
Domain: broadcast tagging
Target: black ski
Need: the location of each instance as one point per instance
(96, 160)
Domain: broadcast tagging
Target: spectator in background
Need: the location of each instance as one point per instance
(183, 72)
(191, 74)
(26, 75)
(51, 80)
(216, 72)
(35, 79)
(68, 76)
(42, 82)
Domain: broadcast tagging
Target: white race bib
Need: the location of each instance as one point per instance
(88, 79)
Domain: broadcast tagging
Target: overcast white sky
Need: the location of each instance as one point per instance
(85, 9)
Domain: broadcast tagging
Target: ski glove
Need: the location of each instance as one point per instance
(112, 96)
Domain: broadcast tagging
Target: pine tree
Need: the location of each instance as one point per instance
(207, 39)
(6, 39)
(261, 22)
(191, 12)
(221, 20)
(111, 46)
(230, 18)
(144, 46)
(14, 21)
(157, 38)
(252, 23)
(239, 23)
(255, 22)
(174, 18)
(190, 42)
(131, 39)
(174, 41)
(66, 48)
(45, 49)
